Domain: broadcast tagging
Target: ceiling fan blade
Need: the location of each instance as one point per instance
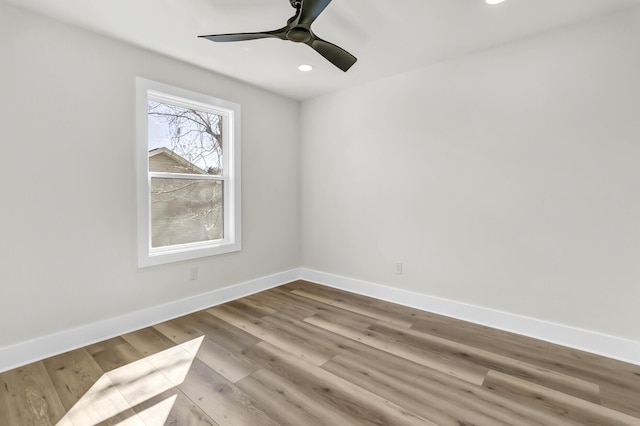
(334, 54)
(311, 9)
(281, 34)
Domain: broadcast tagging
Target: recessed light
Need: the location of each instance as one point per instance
(305, 68)
(493, 1)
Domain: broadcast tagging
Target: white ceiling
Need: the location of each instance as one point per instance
(387, 37)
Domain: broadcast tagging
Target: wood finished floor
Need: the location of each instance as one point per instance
(303, 354)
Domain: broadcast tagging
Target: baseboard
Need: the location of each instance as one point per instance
(585, 340)
(33, 350)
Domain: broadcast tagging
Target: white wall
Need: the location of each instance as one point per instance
(68, 216)
(509, 179)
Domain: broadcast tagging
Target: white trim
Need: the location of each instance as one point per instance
(609, 346)
(46, 346)
(43, 347)
(165, 175)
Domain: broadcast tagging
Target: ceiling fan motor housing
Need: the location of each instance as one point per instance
(299, 35)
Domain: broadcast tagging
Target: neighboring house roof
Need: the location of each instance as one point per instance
(182, 164)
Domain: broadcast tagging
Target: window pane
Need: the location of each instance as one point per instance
(185, 211)
(183, 140)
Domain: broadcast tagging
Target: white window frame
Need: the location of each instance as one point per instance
(230, 178)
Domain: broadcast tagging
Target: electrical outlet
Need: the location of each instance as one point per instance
(193, 274)
(397, 268)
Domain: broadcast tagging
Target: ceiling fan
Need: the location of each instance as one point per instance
(298, 29)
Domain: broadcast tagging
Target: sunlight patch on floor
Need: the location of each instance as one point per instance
(117, 391)
(158, 414)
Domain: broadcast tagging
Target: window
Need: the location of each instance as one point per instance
(188, 171)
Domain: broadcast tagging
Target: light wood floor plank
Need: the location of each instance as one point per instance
(179, 330)
(148, 341)
(621, 399)
(363, 406)
(80, 382)
(226, 335)
(471, 373)
(468, 354)
(221, 400)
(316, 307)
(579, 364)
(268, 333)
(139, 381)
(252, 308)
(338, 344)
(359, 308)
(276, 301)
(293, 406)
(73, 374)
(217, 357)
(116, 355)
(226, 363)
(172, 408)
(583, 412)
(440, 398)
(30, 397)
(329, 344)
(397, 389)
